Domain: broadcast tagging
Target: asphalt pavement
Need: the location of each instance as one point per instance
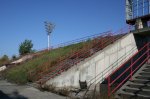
(13, 91)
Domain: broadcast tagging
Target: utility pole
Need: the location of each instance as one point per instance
(49, 28)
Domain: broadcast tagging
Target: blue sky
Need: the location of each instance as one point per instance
(24, 19)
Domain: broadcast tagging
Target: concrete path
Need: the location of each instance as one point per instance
(13, 91)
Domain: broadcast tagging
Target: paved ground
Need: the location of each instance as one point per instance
(13, 91)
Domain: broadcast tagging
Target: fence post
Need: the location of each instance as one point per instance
(108, 86)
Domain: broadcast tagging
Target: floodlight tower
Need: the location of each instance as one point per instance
(49, 28)
(138, 13)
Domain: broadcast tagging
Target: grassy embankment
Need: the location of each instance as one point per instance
(19, 74)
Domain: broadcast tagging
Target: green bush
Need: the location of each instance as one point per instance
(4, 60)
(25, 47)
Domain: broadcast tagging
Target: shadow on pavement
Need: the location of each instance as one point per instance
(15, 95)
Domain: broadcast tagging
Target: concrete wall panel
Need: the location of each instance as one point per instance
(92, 66)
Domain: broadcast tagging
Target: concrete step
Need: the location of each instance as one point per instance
(147, 67)
(146, 70)
(143, 77)
(142, 86)
(144, 91)
(137, 91)
(131, 90)
(138, 87)
(141, 96)
(139, 81)
(128, 95)
(145, 74)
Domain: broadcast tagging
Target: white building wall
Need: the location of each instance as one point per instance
(89, 68)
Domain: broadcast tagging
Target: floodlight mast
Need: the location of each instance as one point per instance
(49, 28)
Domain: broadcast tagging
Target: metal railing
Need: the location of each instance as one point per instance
(84, 54)
(83, 39)
(102, 75)
(80, 56)
(80, 53)
(119, 76)
(76, 54)
(123, 30)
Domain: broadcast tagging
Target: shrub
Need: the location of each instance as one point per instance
(25, 47)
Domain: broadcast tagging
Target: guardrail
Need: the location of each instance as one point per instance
(84, 53)
(83, 39)
(80, 56)
(119, 76)
(79, 53)
(60, 59)
(123, 30)
(102, 75)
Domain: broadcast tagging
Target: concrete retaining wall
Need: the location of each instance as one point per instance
(89, 68)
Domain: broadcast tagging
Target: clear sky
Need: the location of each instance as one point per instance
(24, 19)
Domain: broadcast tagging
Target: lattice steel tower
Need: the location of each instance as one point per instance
(138, 13)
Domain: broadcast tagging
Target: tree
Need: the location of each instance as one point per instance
(25, 47)
(4, 58)
(14, 57)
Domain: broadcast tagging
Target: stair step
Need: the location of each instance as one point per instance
(127, 95)
(147, 93)
(147, 67)
(140, 81)
(140, 84)
(147, 64)
(146, 70)
(143, 77)
(134, 85)
(144, 96)
(137, 91)
(145, 74)
(144, 87)
(131, 90)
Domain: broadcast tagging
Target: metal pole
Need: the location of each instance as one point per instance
(131, 72)
(143, 7)
(137, 7)
(48, 38)
(148, 6)
(49, 28)
(132, 5)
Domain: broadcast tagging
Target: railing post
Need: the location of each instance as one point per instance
(147, 52)
(148, 49)
(131, 72)
(108, 86)
(101, 44)
(113, 37)
(77, 57)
